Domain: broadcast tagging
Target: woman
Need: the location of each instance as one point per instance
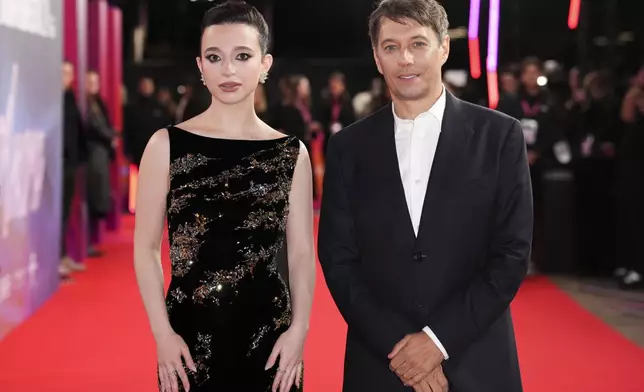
(336, 111)
(630, 187)
(233, 189)
(101, 143)
(293, 116)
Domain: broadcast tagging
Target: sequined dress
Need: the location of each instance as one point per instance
(227, 209)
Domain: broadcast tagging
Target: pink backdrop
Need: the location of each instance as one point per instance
(93, 40)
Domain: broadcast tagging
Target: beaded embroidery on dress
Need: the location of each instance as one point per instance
(227, 209)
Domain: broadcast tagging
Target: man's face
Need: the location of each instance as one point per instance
(530, 75)
(147, 87)
(68, 75)
(509, 83)
(410, 58)
(336, 87)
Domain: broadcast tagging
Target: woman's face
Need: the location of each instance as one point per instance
(303, 88)
(93, 83)
(231, 61)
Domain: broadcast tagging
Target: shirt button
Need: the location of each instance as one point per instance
(417, 181)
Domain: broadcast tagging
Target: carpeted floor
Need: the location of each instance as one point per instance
(93, 336)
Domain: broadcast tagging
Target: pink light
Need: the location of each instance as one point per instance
(134, 182)
(573, 14)
(493, 36)
(475, 57)
(492, 89)
(473, 28)
(473, 39)
(493, 53)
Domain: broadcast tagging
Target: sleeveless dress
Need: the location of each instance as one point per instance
(227, 208)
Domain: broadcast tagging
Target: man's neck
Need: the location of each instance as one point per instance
(410, 109)
(533, 91)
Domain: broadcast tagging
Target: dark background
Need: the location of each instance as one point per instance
(316, 37)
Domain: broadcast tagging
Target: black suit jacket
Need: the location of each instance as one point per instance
(458, 276)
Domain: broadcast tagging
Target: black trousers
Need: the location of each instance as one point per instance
(595, 217)
(69, 189)
(537, 199)
(630, 213)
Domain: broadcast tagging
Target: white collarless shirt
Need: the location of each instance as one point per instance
(416, 143)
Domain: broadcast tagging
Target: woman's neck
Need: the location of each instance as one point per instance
(235, 121)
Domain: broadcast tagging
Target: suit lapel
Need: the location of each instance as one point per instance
(386, 160)
(452, 144)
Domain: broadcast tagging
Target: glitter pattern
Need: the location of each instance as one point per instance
(186, 243)
(227, 210)
(186, 164)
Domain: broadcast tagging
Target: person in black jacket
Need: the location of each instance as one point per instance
(143, 116)
(336, 109)
(101, 138)
(74, 154)
(426, 223)
(540, 118)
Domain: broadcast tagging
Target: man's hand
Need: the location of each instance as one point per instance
(435, 382)
(414, 358)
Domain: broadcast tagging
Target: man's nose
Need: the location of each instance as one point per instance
(406, 58)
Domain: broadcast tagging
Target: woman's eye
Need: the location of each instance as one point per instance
(243, 56)
(212, 58)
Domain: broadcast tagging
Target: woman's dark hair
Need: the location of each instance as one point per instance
(291, 85)
(238, 12)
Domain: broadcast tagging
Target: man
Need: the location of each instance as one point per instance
(423, 267)
(542, 123)
(74, 154)
(143, 116)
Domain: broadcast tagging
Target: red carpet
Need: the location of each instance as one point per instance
(93, 336)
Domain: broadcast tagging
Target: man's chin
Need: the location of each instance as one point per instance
(411, 94)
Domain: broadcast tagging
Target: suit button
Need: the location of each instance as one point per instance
(419, 256)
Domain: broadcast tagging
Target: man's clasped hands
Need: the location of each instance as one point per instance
(417, 361)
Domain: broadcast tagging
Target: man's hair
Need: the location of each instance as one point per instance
(337, 76)
(531, 61)
(428, 13)
(238, 12)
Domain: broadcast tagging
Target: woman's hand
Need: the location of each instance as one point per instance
(170, 349)
(289, 348)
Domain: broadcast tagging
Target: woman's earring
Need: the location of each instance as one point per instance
(203, 80)
(262, 77)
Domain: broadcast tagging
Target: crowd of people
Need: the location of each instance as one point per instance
(592, 130)
(234, 193)
(588, 126)
(89, 141)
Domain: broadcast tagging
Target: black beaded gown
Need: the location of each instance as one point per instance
(227, 208)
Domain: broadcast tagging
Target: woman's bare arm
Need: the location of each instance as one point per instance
(299, 237)
(150, 222)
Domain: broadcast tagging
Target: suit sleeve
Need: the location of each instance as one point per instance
(462, 319)
(378, 328)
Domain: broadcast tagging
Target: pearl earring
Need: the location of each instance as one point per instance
(263, 77)
(203, 80)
